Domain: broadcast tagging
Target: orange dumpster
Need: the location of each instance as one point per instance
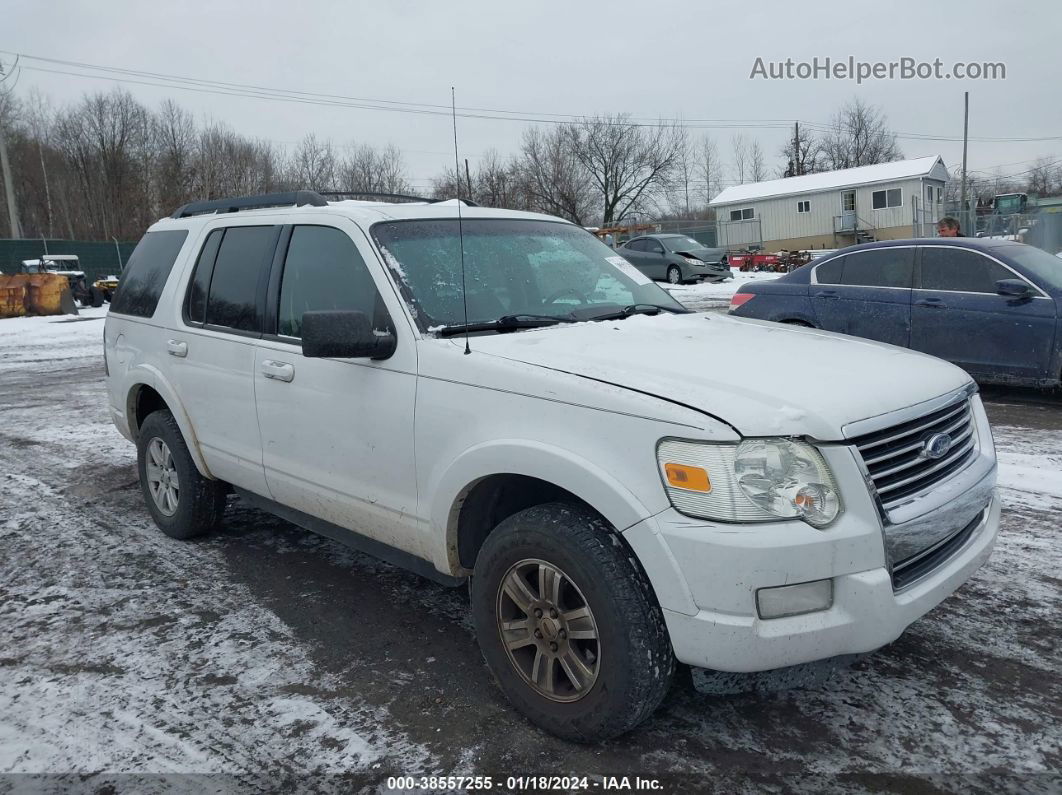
(12, 301)
(43, 293)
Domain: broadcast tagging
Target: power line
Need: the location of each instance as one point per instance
(224, 88)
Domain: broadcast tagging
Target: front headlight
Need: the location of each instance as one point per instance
(758, 480)
(693, 261)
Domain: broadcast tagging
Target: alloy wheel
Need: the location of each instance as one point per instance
(548, 630)
(163, 482)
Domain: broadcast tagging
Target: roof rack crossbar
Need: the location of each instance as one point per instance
(237, 203)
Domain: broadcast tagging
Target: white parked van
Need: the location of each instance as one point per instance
(497, 396)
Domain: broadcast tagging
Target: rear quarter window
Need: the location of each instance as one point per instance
(146, 272)
(829, 272)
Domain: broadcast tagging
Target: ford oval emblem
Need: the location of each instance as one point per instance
(936, 446)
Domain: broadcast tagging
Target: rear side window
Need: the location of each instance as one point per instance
(960, 270)
(829, 272)
(204, 267)
(879, 267)
(636, 245)
(239, 276)
(146, 272)
(323, 270)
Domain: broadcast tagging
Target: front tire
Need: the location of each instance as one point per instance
(183, 503)
(674, 275)
(568, 624)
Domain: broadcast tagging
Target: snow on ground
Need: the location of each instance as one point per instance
(47, 342)
(714, 295)
(263, 651)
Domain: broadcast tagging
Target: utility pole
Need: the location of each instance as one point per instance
(468, 179)
(798, 165)
(9, 185)
(965, 137)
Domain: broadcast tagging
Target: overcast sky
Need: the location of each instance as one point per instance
(650, 59)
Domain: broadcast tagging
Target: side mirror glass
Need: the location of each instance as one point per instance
(344, 334)
(1014, 287)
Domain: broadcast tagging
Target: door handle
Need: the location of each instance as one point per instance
(826, 294)
(177, 348)
(278, 371)
(931, 303)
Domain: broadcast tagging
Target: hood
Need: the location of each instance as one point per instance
(761, 378)
(704, 254)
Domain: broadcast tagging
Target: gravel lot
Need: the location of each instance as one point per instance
(265, 658)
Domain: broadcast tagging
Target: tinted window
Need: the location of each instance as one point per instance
(204, 267)
(243, 260)
(654, 247)
(830, 272)
(879, 267)
(636, 245)
(960, 270)
(323, 270)
(146, 272)
(1044, 267)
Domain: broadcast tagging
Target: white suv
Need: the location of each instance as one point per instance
(496, 396)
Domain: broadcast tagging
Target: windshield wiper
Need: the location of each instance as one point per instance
(506, 323)
(639, 309)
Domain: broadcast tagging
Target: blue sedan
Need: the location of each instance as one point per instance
(990, 306)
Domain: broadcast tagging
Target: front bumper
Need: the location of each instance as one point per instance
(706, 575)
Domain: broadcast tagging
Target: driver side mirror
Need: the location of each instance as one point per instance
(1013, 287)
(344, 334)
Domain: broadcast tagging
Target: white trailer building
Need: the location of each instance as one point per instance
(833, 208)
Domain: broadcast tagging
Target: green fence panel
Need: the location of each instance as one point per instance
(97, 259)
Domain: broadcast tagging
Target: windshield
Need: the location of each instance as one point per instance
(1046, 269)
(512, 267)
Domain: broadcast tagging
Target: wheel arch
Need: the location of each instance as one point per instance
(151, 391)
(494, 480)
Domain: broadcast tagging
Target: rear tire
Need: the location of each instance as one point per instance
(674, 275)
(588, 658)
(96, 297)
(183, 503)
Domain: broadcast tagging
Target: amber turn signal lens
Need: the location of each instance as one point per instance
(685, 477)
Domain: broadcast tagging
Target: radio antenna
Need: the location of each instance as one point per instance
(460, 225)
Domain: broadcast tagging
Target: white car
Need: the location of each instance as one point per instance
(497, 396)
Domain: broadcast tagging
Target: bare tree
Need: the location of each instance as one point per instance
(372, 170)
(710, 169)
(685, 169)
(859, 135)
(740, 146)
(175, 144)
(105, 140)
(313, 166)
(801, 157)
(628, 164)
(757, 164)
(552, 174)
(1044, 177)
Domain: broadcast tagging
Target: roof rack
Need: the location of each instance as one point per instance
(362, 195)
(298, 198)
(391, 197)
(237, 203)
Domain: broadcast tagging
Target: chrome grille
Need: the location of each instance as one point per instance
(895, 456)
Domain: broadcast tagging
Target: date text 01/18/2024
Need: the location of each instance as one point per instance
(524, 783)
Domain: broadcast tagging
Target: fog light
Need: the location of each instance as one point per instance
(794, 600)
